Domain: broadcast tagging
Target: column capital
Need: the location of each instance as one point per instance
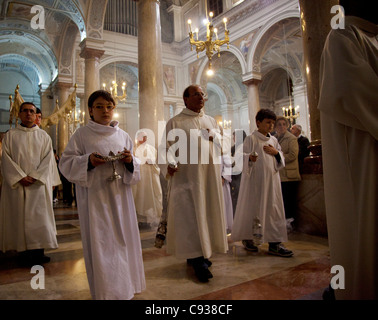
(251, 78)
(251, 82)
(92, 48)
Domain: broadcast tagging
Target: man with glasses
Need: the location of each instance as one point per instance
(196, 219)
(27, 222)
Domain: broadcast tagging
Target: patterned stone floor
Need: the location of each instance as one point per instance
(238, 275)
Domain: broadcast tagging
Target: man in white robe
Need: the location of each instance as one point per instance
(260, 197)
(348, 105)
(196, 219)
(109, 228)
(147, 192)
(29, 170)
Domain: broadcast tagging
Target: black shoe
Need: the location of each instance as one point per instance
(279, 250)
(203, 273)
(250, 246)
(191, 262)
(208, 262)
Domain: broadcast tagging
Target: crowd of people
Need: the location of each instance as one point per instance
(199, 209)
(101, 161)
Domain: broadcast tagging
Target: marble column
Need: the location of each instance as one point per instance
(91, 51)
(315, 19)
(151, 99)
(316, 23)
(300, 100)
(253, 101)
(63, 92)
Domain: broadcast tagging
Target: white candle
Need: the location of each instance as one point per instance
(190, 25)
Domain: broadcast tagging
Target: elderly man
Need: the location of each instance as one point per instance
(303, 143)
(196, 220)
(27, 222)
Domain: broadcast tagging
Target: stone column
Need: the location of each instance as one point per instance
(316, 23)
(91, 51)
(177, 22)
(63, 91)
(253, 101)
(151, 100)
(300, 100)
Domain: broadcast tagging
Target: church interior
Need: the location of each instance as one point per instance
(55, 53)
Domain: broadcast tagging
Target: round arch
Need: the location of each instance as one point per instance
(252, 65)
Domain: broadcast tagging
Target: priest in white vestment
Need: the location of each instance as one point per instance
(147, 192)
(260, 214)
(348, 105)
(109, 228)
(29, 170)
(196, 219)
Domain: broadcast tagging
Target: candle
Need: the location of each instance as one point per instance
(216, 33)
(225, 23)
(196, 31)
(190, 25)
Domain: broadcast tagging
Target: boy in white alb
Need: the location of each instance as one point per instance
(260, 195)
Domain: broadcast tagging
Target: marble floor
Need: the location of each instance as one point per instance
(238, 275)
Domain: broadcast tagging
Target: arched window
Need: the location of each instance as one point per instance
(122, 16)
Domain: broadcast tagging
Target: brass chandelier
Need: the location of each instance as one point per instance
(210, 45)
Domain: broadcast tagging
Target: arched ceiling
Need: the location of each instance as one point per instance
(281, 47)
(227, 78)
(36, 52)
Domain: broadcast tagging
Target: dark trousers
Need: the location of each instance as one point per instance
(289, 194)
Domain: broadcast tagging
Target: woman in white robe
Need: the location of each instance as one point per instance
(109, 228)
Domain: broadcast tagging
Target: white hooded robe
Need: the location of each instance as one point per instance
(26, 213)
(260, 193)
(109, 229)
(196, 219)
(348, 105)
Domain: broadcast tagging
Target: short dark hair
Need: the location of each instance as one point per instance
(100, 93)
(97, 94)
(25, 103)
(265, 114)
(39, 111)
(186, 91)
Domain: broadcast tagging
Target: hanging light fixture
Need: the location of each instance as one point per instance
(211, 46)
(113, 88)
(289, 113)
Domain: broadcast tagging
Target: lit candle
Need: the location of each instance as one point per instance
(211, 17)
(196, 31)
(225, 23)
(104, 86)
(190, 25)
(283, 111)
(216, 33)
